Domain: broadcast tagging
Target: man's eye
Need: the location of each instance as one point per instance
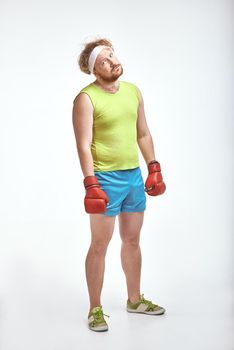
(111, 54)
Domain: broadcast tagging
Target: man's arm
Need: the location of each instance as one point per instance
(82, 118)
(144, 138)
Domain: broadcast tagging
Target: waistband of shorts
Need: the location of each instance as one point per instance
(117, 171)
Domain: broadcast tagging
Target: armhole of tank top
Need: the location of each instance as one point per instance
(85, 92)
(137, 93)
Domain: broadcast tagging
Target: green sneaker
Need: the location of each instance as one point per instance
(96, 321)
(145, 307)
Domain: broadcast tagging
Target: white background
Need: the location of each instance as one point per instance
(180, 55)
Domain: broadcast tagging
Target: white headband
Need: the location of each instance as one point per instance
(93, 56)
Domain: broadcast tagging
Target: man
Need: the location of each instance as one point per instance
(109, 123)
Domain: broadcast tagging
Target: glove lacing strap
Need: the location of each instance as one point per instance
(153, 161)
(94, 181)
(89, 186)
(157, 167)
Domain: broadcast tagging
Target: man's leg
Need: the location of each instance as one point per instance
(102, 228)
(129, 228)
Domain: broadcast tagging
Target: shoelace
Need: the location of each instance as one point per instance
(147, 302)
(98, 314)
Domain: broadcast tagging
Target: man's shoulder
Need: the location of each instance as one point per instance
(128, 83)
(131, 86)
(83, 92)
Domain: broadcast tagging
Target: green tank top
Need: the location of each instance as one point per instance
(114, 144)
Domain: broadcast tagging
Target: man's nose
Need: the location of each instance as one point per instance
(113, 62)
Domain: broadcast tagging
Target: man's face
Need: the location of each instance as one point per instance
(107, 66)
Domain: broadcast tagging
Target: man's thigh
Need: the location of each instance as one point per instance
(102, 227)
(130, 225)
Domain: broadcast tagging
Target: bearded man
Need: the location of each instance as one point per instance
(109, 124)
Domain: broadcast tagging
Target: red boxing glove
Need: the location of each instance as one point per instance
(95, 200)
(154, 184)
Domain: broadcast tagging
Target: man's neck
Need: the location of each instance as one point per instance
(107, 86)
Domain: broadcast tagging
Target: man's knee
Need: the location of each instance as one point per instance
(131, 242)
(100, 247)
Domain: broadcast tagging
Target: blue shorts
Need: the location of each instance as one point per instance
(125, 190)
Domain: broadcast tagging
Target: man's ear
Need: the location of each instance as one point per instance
(95, 73)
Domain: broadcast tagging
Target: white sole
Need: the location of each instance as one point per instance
(159, 312)
(99, 329)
